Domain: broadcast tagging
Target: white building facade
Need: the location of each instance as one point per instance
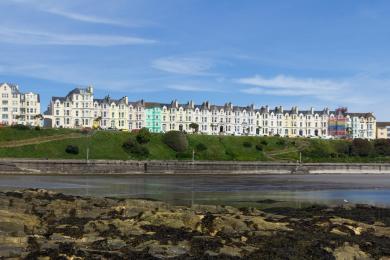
(17, 107)
(80, 109)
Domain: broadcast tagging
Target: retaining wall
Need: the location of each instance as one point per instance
(34, 166)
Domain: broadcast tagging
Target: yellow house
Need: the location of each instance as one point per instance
(383, 130)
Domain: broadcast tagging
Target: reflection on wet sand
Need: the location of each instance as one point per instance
(254, 190)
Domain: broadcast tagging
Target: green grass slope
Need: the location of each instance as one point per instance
(108, 145)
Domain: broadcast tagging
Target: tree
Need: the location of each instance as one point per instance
(259, 147)
(96, 122)
(176, 140)
(194, 126)
(342, 147)
(200, 147)
(133, 147)
(39, 116)
(143, 136)
(361, 147)
(382, 147)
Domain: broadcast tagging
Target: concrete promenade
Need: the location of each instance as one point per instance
(38, 166)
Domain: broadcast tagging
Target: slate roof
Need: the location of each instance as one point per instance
(382, 124)
(109, 100)
(369, 114)
(14, 87)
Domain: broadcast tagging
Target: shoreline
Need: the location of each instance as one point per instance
(117, 167)
(41, 223)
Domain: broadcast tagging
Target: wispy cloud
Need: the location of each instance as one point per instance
(360, 92)
(291, 86)
(184, 66)
(58, 8)
(85, 18)
(192, 88)
(32, 37)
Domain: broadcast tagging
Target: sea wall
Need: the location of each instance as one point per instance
(35, 166)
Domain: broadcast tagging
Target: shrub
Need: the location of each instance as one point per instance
(142, 151)
(176, 140)
(72, 149)
(86, 130)
(317, 150)
(281, 142)
(200, 147)
(143, 136)
(37, 128)
(247, 144)
(264, 142)
(184, 155)
(129, 144)
(382, 147)
(342, 147)
(21, 127)
(133, 147)
(259, 147)
(361, 147)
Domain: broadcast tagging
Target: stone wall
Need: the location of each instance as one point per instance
(32, 166)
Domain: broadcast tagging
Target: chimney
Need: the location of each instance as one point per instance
(191, 104)
(90, 89)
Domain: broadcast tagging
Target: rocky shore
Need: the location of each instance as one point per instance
(39, 224)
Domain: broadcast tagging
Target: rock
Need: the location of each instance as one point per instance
(115, 244)
(337, 231)
(39, 224)
(347, 252)
(12, 246)
(167, 251)
(230, 251)
(20, 224)
(172, 219)
(358, 227)
(228, 225)
(260, 224)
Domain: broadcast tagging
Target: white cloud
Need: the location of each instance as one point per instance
(185, 66)
(84, 18)
(192, 88)
(360, 92)
(61, 9)
(16, 36)
(291, 86)
(291, 83)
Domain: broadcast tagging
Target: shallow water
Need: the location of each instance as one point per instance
(253, 190)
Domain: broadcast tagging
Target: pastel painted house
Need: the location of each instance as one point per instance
(153, 117)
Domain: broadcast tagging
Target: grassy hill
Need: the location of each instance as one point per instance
(51, 143)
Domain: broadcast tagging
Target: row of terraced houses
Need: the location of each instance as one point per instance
(79, 109)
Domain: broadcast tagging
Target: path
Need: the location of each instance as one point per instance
(38, 140)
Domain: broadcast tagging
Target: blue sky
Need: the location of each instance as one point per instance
(306, 53)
